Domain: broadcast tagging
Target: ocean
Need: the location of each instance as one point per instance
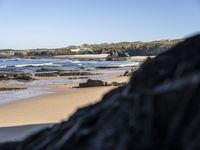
(37, 87)
(31, 65)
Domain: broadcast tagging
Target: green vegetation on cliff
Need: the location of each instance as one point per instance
(131, 48)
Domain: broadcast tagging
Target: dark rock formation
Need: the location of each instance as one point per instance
(97, 83)
(117, 84)
(11, 89)
(107, 67)
(75, 78)
(91, 83)
(116, 55)
(157, 110)
(75, 73)
(49, 70)
(45, 72)
(130, 71)
(20, 76)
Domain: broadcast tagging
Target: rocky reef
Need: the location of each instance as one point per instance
(46, 72)
(157, 110)
(20, 76)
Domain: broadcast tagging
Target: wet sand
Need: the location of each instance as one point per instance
(48, 108)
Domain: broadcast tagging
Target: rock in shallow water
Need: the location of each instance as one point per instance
(157, 110)
(20, 76)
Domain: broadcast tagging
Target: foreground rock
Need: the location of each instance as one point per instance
(157, 110)
(20, 76)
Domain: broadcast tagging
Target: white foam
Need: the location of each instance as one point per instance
(130, 64)
(3, 67)
(75, 62)
(33, 65)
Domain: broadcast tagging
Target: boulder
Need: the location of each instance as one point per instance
(115, 55)
(157, 110)
(91, 83)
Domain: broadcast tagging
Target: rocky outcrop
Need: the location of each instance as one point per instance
(130, 71)
(76, 73)
(91, 83)
(45, 72)
(98, 83)
(20, 76)
(116, 55)
(11, 89)
(75, 78)
(157, 110)
(117, 84)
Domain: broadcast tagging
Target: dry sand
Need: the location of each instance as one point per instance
(140, 58)
(24, 117)
(86, 56)
(103, 56)
(51, 108)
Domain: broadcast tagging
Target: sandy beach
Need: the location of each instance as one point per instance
(28, 106)
(48, 108)
(103, 56)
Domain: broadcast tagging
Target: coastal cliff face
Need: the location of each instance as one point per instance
(130, 48)
(157, 110)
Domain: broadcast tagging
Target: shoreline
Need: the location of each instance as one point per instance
(57, 99)
(17, 90)
(53, 107)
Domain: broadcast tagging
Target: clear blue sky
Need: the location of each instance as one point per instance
(59, 23)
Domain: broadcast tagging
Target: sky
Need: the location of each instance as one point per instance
(28, 24)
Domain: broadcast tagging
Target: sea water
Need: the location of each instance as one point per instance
(32, 65)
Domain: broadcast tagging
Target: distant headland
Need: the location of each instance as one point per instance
(130, 48)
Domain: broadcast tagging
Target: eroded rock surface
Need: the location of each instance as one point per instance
(20, 76)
